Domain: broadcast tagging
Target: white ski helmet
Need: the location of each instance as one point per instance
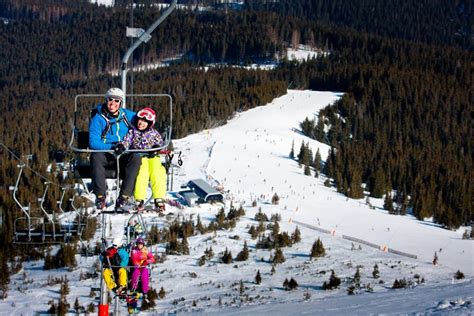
(115, 93)
(117, 241)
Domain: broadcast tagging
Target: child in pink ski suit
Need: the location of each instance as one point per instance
(141, 257)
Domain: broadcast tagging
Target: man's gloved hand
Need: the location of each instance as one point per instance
(118, 149)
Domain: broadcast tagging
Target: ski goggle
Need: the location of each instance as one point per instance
(114, 100)
(147, 115)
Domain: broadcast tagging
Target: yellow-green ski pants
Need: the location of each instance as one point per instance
(110, 280)
(151, 170)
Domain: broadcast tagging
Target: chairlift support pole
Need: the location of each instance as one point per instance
(143, 37)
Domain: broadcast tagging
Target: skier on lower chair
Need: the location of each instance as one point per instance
(115, 261)
(144, 136)
(141, 257)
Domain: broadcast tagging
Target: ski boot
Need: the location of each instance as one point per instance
(122, 204)
(140, 208)
(100, 203)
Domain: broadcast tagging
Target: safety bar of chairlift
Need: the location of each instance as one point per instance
(168, 132)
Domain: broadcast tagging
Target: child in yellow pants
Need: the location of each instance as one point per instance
(115, 259)
(144, 136)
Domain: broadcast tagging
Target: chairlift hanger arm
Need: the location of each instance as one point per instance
(143, 38)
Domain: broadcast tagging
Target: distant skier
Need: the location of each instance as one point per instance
(144, 136)
(135, 229)
(115, 261)
(107, 128)
(141, 257)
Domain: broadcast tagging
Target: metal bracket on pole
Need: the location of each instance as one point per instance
(134, 32)
(142, 38)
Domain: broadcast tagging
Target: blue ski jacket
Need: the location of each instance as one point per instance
(106, 130)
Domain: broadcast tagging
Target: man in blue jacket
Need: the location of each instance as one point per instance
(107, 128)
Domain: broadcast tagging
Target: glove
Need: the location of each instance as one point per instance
(118, 149)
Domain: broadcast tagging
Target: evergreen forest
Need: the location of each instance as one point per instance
(404, 124)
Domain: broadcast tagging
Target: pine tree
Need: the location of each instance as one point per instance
(184, 246)
(253, 232)
(272, 271)
(292, 152)
(241, 287)
(275, 199)
(375, 272)
(435, 259)
(150, 300)
(91, 308)
(317, 162)
(388, 203)
(292, 284)
(202, 260)
(302, 153)
(355, 190)
(77, 307)
(260, 216)
(318, 249)
(275, 230)
(378, 183)
(53, 309)
(162, 293)
(278, 257)
(296, 236)
(307, 170)
(209, 253)
(64, 288)
(227, 257)
(356, 278)
(243, 255)
(333, 283)
(199, 226)
(258, 277)
(4, 276)
(63, 306)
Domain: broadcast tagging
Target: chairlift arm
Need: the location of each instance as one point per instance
(15, 190)
(48, 216)
(143, 38)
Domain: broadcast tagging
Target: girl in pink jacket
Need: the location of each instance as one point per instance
(141, 257)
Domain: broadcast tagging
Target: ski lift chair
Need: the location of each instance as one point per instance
(79, 143)
(27, 229)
